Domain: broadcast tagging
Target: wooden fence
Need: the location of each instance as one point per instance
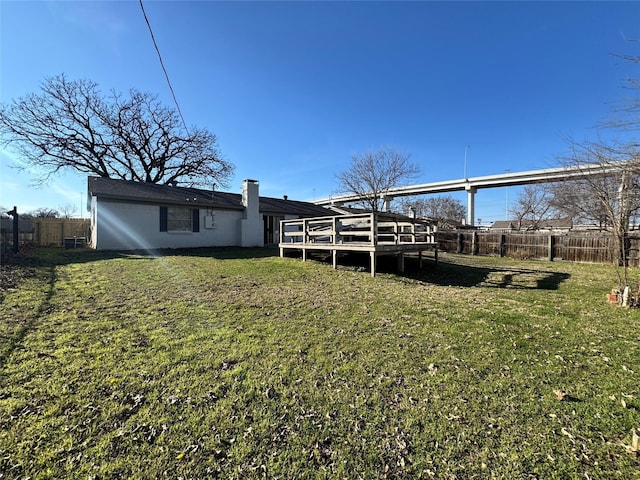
(62, 232)
(592, 247)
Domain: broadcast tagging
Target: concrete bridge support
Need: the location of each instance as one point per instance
(471, 205)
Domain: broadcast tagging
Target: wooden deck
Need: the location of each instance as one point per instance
(374, 233)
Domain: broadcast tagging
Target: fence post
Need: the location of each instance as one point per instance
(474, 243)
(16, 228)
(503, 241)
(551, 244)
(334, 240)
(460, 243)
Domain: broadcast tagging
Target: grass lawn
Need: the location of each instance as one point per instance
(239, 364)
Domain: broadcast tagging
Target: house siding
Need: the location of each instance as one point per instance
(127, 215)
(135, 226)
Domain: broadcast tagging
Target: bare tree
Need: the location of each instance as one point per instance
(532, 206)
(67, 210)
(613, 198)
(372, 174)
(71, 125)
(614, 195)
(442, 208)
(626, 113)
(572, 199)
(43, 212)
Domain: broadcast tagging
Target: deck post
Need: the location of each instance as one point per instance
(334, 259)
(420, 259)
(374, 230)
(401, 262)
(304, 254)
(373, 263)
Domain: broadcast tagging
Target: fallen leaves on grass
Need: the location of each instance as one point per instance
(560, 394)
(635, 441)
(563, 396)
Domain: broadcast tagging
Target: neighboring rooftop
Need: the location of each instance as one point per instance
(549, 224)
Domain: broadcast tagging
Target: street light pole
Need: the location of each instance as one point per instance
(465, 161)
(506, 208)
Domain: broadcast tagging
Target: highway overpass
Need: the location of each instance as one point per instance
(472, 185)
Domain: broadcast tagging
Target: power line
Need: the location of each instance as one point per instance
(153, 38)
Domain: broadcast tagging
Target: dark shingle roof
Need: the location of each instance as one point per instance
(109, 188)
(279, 206)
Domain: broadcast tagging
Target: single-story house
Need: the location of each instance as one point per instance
(127, 215)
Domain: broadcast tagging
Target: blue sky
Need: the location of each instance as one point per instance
(294, 89)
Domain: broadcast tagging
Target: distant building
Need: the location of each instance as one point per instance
(547, 225)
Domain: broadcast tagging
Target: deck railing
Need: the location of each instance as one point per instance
(361, 229)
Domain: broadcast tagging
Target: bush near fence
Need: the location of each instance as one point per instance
(586, 247)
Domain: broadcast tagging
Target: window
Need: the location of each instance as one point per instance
(179, 219)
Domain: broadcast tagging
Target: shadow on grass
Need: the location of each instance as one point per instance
(446, 273)
(454, 274)
(45, 257)
(15, 340)
(450, 273)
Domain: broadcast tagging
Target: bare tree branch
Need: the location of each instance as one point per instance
(532, 206)
(444, 209)
(71, 125)
(372, 174)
